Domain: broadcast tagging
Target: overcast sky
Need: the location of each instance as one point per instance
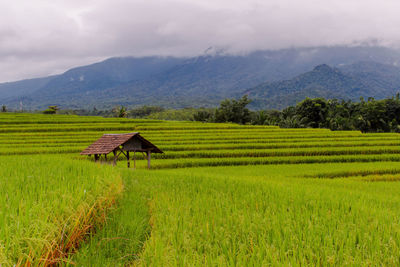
(42, 37)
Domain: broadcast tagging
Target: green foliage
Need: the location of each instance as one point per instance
(122, 112)
(51, 110)
(185, 114)
(366, 116)
(3, 108)
(144, 111)
(313, 111)
(265, 117)
(204, 115)
(231, 110)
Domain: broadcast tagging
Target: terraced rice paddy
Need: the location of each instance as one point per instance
(221, 195)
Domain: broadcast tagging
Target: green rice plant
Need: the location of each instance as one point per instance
(46, 145)
(260, 216)
(41, 142)
(381, 178)
(363, 172)
(266, 141)
(40, 150)
(99, 127)
(206, 162)
(127, 227)
(281, 152)
(42, 203)
(15, 118)
(240, 136)
(321, 144)
(221, 195)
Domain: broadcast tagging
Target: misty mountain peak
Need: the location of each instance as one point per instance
(324, 68)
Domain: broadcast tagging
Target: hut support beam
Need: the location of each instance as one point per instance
(148, 158)
(120, 151)
(127, 157)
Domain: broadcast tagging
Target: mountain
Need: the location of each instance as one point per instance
(383, 78)
(207, 79)
(362, 79)
(109, 73)
(24, 87)
(82, 81)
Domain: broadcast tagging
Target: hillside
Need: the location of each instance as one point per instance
(22, 88)
(322, 81)
(201, 81)
(383, 78)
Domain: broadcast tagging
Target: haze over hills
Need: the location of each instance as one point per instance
(362, 79)
(21, 88)
(267, 76)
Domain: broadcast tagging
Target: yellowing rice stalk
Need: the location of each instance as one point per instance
(48, 203)
(86, 220)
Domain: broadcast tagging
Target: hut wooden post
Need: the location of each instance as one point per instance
(127, 157)
(96, 157)
(115, 157)
(148, 152)
(134, 159)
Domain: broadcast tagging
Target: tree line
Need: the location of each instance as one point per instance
(366, 115)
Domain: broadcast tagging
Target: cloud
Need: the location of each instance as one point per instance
(48, 36)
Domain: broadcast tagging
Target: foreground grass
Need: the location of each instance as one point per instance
(120, 241)
(48, 203)
(258, 216)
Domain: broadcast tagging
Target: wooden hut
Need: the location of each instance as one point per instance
(121, 144)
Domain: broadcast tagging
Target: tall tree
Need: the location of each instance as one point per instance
(232, 110)
(314, 111)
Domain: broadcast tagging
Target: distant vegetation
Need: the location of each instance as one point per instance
(51, 110)
(369, 115)
(366, 116)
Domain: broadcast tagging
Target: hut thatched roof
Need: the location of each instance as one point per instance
(109, 142)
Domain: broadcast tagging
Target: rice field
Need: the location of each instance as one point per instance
(220, 195)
